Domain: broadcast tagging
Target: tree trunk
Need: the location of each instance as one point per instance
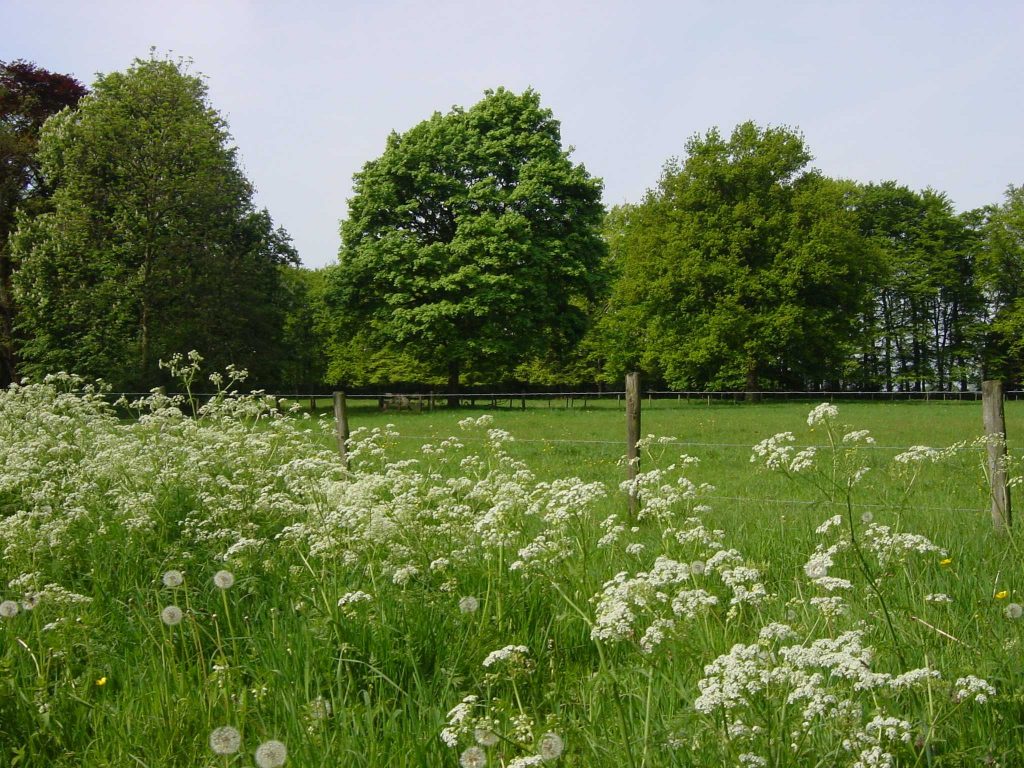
(453, 384)
(753, 396)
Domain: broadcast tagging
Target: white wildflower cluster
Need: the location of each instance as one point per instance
(648, 606)
(510, 655)
(352, 598)
(917, 454)
(859, 436)
(493, 728)
(562, 508)
(663, 493)
(780, 685)
(971, 688)
(823, 413)
(77, 472)
(775, 452)
(880, 541)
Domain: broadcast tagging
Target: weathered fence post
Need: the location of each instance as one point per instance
(341, 425)
(995, 433)
(632, 436)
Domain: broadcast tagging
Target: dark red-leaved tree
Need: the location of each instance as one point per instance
(28, 95)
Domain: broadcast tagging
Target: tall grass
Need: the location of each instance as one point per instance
(470, 589)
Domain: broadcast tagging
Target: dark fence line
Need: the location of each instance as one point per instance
(394, 399)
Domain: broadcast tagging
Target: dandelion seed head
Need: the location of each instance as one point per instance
(319, 708)
(1014, 611)
(225, 740)
(173, 579)
(485, 737)
(697, 567)
(271, 754)
(866, 518)
(469, 604)
(223, 579)
(8, 609)
(171, 615)
(551, 746)
(473, 757)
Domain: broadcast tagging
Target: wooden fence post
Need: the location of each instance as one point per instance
(341, 425)
(995, 433)
(632, 436)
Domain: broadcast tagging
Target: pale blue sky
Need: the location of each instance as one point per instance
(926, 93)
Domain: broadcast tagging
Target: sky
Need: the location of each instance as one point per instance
(930, 94)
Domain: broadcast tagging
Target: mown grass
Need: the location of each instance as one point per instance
(101, 508)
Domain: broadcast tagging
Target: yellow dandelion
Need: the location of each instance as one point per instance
(946, 561)
(1002, 595)
(101, 681)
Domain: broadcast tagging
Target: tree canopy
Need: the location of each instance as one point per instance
(153, 245)
(743, 269)
(468, 246)
(28, 96)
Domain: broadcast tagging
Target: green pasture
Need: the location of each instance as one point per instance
(344, 634)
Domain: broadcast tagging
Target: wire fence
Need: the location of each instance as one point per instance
(580, 398)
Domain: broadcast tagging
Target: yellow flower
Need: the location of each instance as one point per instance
(947, 561)
(1002, 595)
(101, 681)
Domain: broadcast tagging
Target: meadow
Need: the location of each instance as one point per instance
(219, 589)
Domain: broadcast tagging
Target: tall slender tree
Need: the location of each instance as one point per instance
(152, 245)
(28, 96)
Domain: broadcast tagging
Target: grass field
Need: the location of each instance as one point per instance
(218, 590)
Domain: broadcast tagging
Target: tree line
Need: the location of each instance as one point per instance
(476, 252)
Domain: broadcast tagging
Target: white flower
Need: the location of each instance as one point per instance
(820, 413)
(973, 687)
(938, 598)
(271, 754)
(917, 454)
(473, 757)
(469, 604)
(171, 615)
(527, 761)
(225, 740)
(223, 579)
(351, 598)
(173, 579)
(551, 746)
(508, 653)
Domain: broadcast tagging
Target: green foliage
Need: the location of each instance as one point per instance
(742, 269)
(28, 96)
(467, 246)
(1001, 271)
(153, 244)
(923, 327)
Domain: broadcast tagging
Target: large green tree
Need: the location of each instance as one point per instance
(28, 96)
(153, 244)
(1001, 277)
(470, 245)
(744, 269)
(928, 305)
